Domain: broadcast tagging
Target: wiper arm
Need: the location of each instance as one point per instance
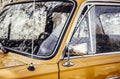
(3, 49)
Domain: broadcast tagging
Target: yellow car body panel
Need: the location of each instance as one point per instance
(14, 66)
(96, 67)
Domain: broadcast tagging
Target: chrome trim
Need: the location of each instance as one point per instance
(115, 77)
(68, 64)
(104, 0)
(92, 26)
(93, 55)
(98, 3)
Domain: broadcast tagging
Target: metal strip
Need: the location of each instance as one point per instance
(116, 77)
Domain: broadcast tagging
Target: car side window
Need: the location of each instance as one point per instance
(80, 39)
(98, 32)
(108, 40)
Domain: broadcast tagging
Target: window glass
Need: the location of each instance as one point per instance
(84, 38)
(37, 26)
(108, 39)
(80, 39)
(99, 30)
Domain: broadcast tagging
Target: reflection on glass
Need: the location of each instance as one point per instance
(20, 23)
(81, 39)
(109, 39)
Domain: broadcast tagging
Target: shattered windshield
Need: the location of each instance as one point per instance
(39, 24)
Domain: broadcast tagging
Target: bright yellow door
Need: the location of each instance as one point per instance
(48, 71)
(93, 67)
(97, 38)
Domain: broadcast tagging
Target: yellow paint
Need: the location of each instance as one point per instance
(14, 66)
(98, 67)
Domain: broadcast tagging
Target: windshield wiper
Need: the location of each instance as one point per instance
(5, 51)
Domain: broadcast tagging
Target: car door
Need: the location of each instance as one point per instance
(94, 49)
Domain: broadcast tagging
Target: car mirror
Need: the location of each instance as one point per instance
(68, 63)
(78, 49)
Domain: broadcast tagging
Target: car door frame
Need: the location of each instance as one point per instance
(85, 66)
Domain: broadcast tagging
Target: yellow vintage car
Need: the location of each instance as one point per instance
(60, 39)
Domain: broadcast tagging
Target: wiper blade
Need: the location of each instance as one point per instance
(5, 51)
(17, 51)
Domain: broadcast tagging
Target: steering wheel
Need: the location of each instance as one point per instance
(43, 35)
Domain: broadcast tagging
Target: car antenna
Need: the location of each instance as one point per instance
(31, 65)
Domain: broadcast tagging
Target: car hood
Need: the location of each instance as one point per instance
(8, 60)
(12, 60)
(14, 66)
